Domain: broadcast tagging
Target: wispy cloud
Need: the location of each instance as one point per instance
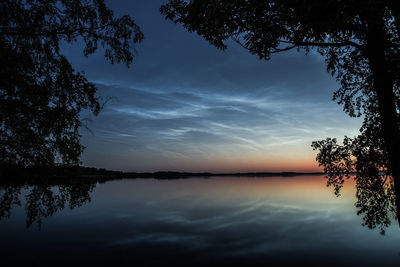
(187, 100)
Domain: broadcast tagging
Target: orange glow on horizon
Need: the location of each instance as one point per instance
(232, 165)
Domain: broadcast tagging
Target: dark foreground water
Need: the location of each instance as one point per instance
(271, 221)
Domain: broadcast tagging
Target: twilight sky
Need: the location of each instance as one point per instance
(184, 105)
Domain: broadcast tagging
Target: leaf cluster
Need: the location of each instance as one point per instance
(336, 29)
(41, 95)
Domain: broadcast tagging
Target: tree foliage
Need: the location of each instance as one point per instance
(360, 41)
(41, 95)
(336, 29)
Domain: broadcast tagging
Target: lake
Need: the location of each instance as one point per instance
(265, 221)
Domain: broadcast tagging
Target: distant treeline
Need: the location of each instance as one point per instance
(60, 172)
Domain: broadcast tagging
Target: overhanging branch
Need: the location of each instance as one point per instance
(324, 44)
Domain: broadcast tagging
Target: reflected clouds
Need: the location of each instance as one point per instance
(278, 220)
(260, 224)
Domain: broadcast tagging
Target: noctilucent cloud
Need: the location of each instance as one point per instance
(183, 105)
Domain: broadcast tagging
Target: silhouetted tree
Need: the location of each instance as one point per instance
(360, 41)
(41, 96)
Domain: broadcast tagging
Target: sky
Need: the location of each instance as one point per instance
(184, 105)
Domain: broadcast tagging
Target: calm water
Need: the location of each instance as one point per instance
(271, 221)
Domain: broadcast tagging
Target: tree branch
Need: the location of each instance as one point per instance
(287, 48)
(46, 32)
(324, 44)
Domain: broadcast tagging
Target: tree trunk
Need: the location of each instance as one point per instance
(383, 86)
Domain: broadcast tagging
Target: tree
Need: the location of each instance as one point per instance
(360, 41)
(41, 95)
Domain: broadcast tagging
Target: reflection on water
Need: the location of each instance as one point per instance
(376, 201)
(377, 192)
(272, 220)
(375, 197)
(44, 199)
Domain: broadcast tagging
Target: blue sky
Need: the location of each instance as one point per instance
(184, 105)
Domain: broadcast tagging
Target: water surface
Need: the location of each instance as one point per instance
(234, 220)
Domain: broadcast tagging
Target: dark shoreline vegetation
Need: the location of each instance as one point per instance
(57, 174)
